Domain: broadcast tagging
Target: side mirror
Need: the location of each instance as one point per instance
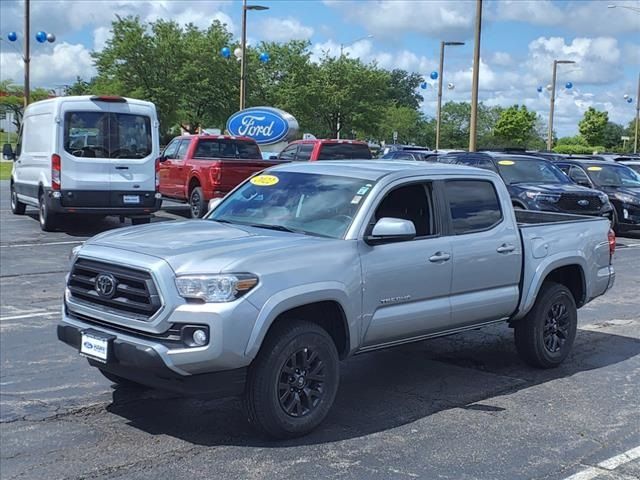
(389, 230)
(584, 183)
(213, 203)
(162, 158)
(7, 152)
(273, 157)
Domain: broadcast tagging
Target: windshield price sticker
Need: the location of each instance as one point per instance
(506, 162)
(594, 169)
(265, 180)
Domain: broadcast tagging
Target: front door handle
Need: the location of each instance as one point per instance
(122, 168)
(505, 248)
(439, 257)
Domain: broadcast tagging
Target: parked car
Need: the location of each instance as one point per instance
(619, 182)
(310, 263)
(399, 147)
(91, 155)
(197, 168)
(324, 149)
(632, 164)
(409, 155)
(537, 184)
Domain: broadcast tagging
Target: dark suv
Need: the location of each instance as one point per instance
(537, 184)
(619, 182)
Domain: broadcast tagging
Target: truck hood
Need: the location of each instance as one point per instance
(611, 191)
(200, 246)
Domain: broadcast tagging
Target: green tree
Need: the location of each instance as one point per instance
(516, 126)
(12, 100)
(575, 140)
(593, 125)
(611, 136)
(403, 88)
(408, 122)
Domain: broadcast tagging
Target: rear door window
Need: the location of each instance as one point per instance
(226, 148)
(304, 152)
(343, 151)
(107, 135)
(474, 205)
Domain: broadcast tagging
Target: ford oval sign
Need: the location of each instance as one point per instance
(266, 125)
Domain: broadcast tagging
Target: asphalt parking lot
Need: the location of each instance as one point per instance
(462, 407)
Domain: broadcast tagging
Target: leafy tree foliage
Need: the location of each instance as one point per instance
(592, 126)
(12, 100)
(516, 126)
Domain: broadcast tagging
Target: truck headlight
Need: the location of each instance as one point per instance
(543, 197)
(626, 198)
(604, 198)
(74, 254)
(215, 288)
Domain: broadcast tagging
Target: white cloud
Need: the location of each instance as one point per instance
(536, 12)
(100, 37)
(501, 58)
(390, 18)
(284, 29)
(60, 66)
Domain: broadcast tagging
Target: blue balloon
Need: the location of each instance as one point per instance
(424, 85)
(41, 36)
(12, 36)
(539, 89)
(434, 75)
(264, 57)
(629, 100)
(225, 52)
(568, 85)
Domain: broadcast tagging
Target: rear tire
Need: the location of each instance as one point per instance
(293, 381)
(545, 336)
(197, 203)
(120, 381)
(17, 207)
(48, 220)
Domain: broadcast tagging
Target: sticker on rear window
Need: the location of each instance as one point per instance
(594, 169)
(265, 180)
(506, 162)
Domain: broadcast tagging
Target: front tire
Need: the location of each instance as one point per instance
(197, 203)
(545, 336)
(293, 381)
(17, 207)
(47, 218)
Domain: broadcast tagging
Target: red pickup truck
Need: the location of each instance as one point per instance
(197, 168)
(325, 149)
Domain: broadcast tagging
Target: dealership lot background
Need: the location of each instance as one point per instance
(460, 407)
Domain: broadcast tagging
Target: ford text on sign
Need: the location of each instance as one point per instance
(266, 125)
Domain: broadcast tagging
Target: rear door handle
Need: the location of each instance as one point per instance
(122, 168)
(439, 257)
(505, 248)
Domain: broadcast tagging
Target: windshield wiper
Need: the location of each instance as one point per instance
(279, 228)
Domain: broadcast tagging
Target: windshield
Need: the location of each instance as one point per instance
(321, 205)
(613, 176)
(343, 151)
(530, 171)
(107, 135)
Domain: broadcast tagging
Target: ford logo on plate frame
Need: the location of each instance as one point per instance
(266, 125)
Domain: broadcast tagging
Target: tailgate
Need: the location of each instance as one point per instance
(233, 172)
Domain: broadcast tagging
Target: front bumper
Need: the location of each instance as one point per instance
(142, 363)
(628, 217)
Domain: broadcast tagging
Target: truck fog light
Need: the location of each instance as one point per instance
(56, 194)
(158, 195)
(199, 337)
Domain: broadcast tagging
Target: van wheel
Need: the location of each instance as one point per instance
(197, 203)
(17, 207)
(47, 218)
(293, 381)
(545, 336)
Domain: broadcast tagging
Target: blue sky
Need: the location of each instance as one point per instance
(519, 42)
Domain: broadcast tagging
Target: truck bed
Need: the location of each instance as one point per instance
(527, 218)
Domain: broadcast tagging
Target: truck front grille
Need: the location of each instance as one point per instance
(121, 289)
(579, 203)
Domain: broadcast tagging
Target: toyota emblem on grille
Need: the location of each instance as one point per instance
(106, 285)
(583, 203)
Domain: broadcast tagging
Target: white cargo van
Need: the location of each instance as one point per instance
(92, 155)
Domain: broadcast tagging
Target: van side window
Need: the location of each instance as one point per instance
(409, 202)
(473, 204)
(19, 144)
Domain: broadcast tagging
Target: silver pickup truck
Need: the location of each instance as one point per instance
(304, 265)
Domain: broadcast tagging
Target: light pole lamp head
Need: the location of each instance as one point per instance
(564, 61)
(453, 43)
(256, 7)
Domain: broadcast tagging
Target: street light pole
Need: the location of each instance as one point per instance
(473, 137)
(553, 100)
(635, 143)
(439, 106)
(27, 55)
(243, 64)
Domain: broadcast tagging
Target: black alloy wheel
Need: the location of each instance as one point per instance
(196, 203)
(556, 327)
(301, 383)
